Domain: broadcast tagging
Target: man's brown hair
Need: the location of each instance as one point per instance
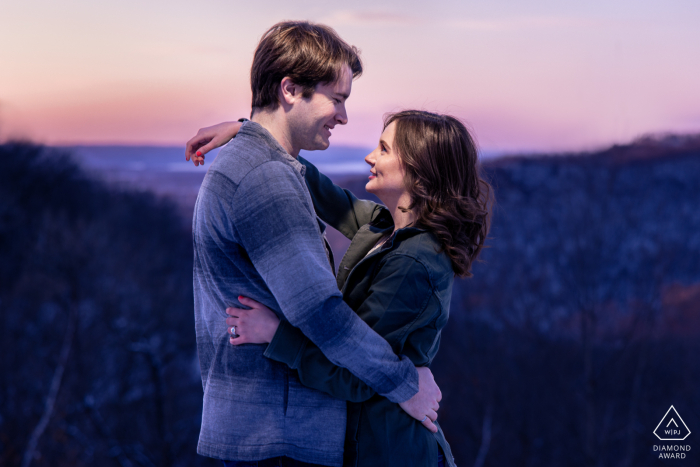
(307, 53)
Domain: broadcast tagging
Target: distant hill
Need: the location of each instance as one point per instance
(651, 146)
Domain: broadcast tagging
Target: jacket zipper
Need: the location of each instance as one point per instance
(286, 390)
(370, 255)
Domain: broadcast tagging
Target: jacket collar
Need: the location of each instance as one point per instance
(366, 238)
(257, 131)
(383, 221)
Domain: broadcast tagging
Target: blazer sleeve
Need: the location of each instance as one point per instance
(402, 289)
(337, 206)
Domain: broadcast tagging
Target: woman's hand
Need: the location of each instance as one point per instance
(210, 138)
(255, 326)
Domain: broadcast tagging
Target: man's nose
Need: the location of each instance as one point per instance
(342, 116)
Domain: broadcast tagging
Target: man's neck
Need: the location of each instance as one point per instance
(275, 123)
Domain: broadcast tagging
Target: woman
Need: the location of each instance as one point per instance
(397, 275)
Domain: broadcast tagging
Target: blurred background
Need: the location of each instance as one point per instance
(580, 327)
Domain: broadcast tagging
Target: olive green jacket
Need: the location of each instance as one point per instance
(402, 291)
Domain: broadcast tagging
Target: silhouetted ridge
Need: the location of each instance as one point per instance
(96, 301)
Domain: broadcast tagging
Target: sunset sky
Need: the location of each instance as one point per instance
(525, 75)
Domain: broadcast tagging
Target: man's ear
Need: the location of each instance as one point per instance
(289, 92)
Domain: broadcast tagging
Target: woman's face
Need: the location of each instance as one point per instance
(386, 178)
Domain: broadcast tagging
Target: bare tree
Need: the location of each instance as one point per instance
(54, 388)
(485, 437)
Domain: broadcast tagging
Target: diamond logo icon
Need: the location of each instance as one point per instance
(672, 427)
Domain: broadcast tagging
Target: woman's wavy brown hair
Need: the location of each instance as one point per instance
(443, 176)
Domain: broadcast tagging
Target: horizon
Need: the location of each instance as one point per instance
(486, 153)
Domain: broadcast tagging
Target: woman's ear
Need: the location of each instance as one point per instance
(289, 92)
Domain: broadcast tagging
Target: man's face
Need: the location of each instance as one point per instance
(313, 119)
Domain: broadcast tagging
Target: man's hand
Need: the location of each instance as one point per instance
(210, 138)
(425, 404)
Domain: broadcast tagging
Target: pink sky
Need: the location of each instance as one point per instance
(533, 75)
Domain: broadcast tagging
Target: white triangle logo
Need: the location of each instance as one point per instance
(672, 427)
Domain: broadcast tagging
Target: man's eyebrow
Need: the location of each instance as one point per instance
(344, 96)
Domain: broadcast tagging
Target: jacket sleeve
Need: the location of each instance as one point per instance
(276, 226)
(401, 294)
(291, 347)
(337, 206)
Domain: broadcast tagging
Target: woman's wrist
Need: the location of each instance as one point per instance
(271, 330)
(287, 344)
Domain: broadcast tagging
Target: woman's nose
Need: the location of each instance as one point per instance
(369, 158)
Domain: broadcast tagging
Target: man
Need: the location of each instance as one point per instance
(256, 234)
